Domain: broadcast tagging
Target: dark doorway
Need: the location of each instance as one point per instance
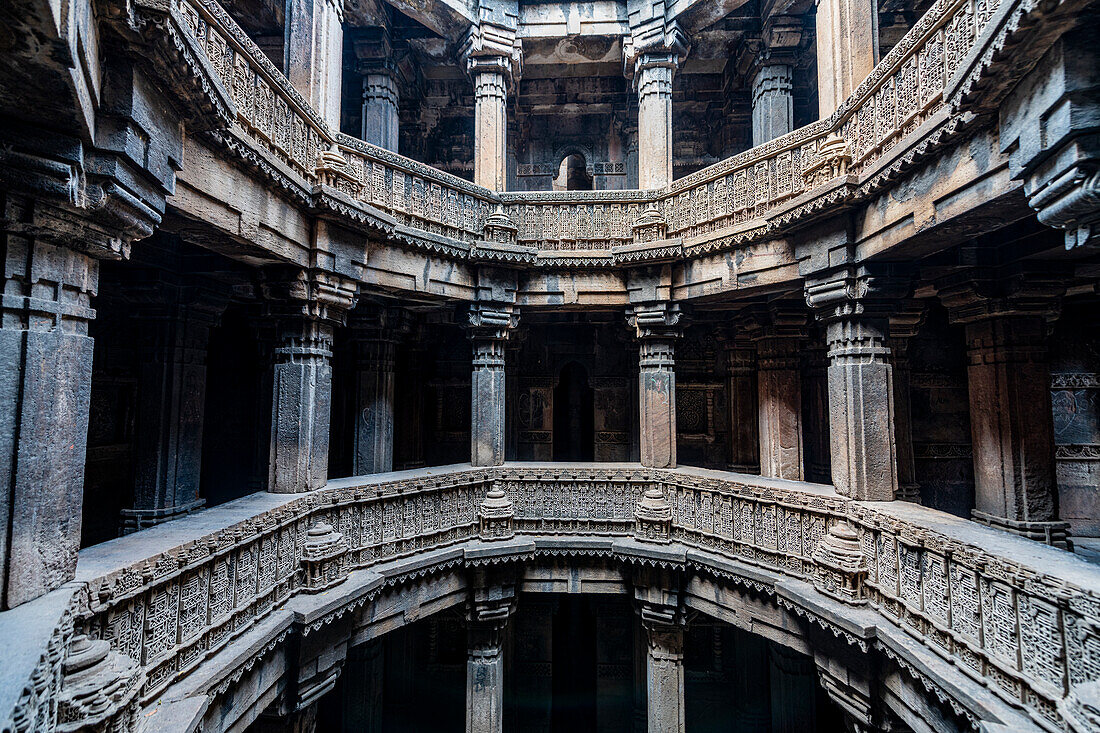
(574, 670)
(572, 174)
(573, 415)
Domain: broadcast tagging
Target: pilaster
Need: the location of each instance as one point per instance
(657, 326)
(306, 306)
(741, 392)
(173, 327)
(1011, 419)
(852, 302)
(489, 326)
(778, 331)
(375, 331)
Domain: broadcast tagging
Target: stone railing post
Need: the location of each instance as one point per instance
(489, 326)
(1011, 416)
(306, 307)
(656, 326)
(375, 332)
(490, 609)
(174, 333)
(852, 303)
(778, 331)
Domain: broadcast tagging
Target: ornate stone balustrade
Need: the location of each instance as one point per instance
(1016, 616)
(896, 116)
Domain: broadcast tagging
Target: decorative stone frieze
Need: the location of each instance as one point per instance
(496, 515)
(323, 558)
(841, 564)
(99, 689)
(653, 517)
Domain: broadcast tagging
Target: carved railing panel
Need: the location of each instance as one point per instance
(574, 220)
(1029, 632)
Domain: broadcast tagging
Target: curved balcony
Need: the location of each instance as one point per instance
(1001, 628)
(936, 83)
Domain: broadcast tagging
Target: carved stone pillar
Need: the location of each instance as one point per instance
(306, 308)
(741, 392)
(653, 73)
(847, 49)
(657, 595)
(903, 327)
(793, 694)
(375, 332)
(490, 609)
(314, 54)
(772, 103)
(45, 394)
(490, 324)
(171, 405)
(778, 332)
(364, 678)
(491, 76)
(657, 326)
(381, 124)
(860, 378)
(1011, 418)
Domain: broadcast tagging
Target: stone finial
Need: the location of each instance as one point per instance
(333, 171)
(323, 558)
(99, 688)
(832, 161)
(499, 227)
(650, 226)
(653, 517)
(496, 515)
(841, 565)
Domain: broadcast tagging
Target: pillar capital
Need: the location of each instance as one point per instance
(856, 290)
(312, 293)
(983, 294)
(655, 320)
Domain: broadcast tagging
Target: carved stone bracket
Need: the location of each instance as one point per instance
(312, 292)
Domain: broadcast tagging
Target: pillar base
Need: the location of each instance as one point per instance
(1049, 533)
(134, 520)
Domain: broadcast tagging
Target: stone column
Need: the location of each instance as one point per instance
(742, 396)
(665, 677)
(1011, 418)
(653, 73)
(314, 54)
(772, 103)
(860, 379)
(45, 394)
(301, 404)
(381, 124)
(364, 677)
(847, 49)
(171, 406)
(491, 76)
(792, 682)
(657, 326)
(490, 324)
(903, 327)
(375, 332)
(778, 332)
(490, 608)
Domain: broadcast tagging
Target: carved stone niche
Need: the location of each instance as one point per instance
(653, 517)
(99, 689)
(496, 515)
(841, 565)
(324, 558)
